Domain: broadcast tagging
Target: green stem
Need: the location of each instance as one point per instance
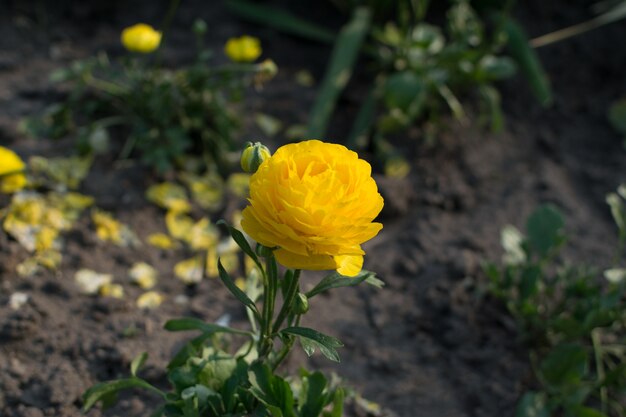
(290, 296)
(597, 352)
(270, 285)
(286, 347)
(111, 88)
(165, 27)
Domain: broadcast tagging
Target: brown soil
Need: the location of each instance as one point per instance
(432, 343)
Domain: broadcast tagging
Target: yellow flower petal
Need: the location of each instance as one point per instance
(190, 270)
(349, 265)
(170, 196)
(161, 241)
(10, 162)
(112, 290)
(149, 300)
(12, 183)
(297, 261)
(143, 275)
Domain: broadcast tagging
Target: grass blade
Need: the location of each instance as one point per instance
(280, 19)
(528, 62)
(344, 55)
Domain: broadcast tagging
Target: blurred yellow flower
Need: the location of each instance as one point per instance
(315, 202)
(243, 49)
(141, 38)
(12, 178)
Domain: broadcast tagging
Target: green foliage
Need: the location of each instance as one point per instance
(527, 60)
(339, 71)
(232, 372)
(164, 114)
(617, 116)
(574, 323)
(425, 69)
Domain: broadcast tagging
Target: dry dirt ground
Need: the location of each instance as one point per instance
(431, 343)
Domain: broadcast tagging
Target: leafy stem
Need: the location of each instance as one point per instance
(290, 296)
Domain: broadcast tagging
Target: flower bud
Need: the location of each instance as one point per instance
(301, 304)
(199, 27)
(253, 156)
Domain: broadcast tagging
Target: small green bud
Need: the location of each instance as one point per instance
(301, 304)
(253, 156)
(199, 27)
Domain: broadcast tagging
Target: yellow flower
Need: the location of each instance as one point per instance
(243, 49)
(11, 177)
(315, 202)
(141, 38)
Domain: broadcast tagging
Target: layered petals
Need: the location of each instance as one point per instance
(316, 202)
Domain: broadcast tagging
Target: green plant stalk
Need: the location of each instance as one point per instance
(108, 87)
(269, 292)
(165, 27)
(616, 13)
(290, 296)
(280, 357)
(597, 353)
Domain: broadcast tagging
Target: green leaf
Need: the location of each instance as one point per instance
(492, 68)
(336, 280)
(137, 363)
(528, 62)
(313, 386)
(337, 410)
(271, 390)
(532, 404)
(190, 323)
(107, 391)
(617, 116)
(529, 282)
(492, 102)
(339, 71)
(190, 349)
(241, 296)
(565, 365)
(280, 19)
(241, 241)
(544, 227)
(402, 89)
(310, 339)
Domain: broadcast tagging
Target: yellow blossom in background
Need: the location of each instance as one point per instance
(243, 49)
(141, 38)
(316, 202)
(12, 178)
(149, 300)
